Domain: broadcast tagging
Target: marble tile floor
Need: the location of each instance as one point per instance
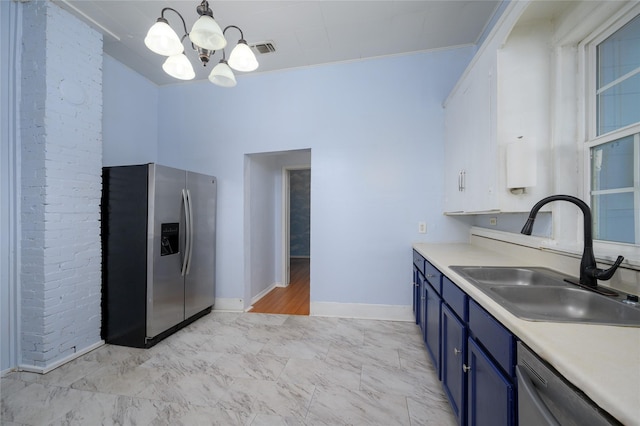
(242, 369)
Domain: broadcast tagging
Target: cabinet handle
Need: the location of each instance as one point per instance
(460, 181)
(431, 276)
(465, 368)
(456, 351)
(464, 180)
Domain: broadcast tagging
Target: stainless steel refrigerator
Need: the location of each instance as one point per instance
(158, 249)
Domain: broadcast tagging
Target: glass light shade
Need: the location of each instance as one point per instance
(242, 58)
(161, 39)
(206, 33)
(222, 75)
(178, 66)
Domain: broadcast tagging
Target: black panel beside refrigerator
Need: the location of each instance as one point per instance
(158, 251)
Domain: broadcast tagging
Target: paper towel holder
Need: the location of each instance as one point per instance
(521, 165)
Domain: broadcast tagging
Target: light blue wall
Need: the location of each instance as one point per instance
(260, 214)
(376, 132)
(130, 116)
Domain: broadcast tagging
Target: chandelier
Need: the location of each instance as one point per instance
(206, 37)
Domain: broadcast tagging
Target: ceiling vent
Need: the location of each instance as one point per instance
(263, 48)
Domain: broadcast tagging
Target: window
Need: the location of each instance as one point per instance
(614, 136)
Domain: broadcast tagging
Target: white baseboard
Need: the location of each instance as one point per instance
(223, 304)
(7, 371)
(362, 311)
(332, 309)
(264, 292)
(58, 363)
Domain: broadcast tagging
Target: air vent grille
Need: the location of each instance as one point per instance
(263, 47)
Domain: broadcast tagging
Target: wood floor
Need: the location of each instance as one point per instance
(291, 300)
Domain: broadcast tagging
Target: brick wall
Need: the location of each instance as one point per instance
(61, 164)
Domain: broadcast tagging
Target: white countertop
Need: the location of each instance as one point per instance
(602, 361)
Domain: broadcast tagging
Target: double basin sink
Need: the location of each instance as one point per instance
(541, 294)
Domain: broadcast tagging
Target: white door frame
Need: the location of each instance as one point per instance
(286, 220)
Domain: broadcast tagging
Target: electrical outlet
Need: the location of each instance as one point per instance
(422, 227)
(493, 221)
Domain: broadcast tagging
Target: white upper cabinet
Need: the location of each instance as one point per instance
(503, 97)
(470, 151)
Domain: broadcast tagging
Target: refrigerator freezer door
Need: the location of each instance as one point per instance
(200, 277)
(165, 284)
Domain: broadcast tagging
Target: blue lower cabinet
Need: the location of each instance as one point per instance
(418, 279)
(416, 294)
(432, 327)
(423, 307)
(454, 342)
(472, 352)
(490, 394)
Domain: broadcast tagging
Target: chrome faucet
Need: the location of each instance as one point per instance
(589, 272)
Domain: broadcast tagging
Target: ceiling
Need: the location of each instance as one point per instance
(304, 33)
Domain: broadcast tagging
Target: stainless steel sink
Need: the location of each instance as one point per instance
(501, 275)
(541, 294)
(566, 304)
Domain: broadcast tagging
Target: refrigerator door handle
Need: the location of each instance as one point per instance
(190, 231)
(187, 243)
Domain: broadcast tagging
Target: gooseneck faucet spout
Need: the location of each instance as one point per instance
(589, 272)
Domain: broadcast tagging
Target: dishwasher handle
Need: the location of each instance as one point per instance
(531, 408)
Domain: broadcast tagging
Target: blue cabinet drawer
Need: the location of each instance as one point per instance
(419, 261)
(434, 276)
(455, 298)
(493, 336)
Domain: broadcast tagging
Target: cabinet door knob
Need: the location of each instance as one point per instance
(456, 351)
(465, 368)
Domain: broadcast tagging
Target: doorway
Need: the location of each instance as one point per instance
(293, 295)
(277, 227)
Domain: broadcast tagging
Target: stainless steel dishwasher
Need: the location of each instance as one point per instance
(546, 398)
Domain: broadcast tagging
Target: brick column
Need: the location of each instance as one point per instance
(61, 165)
